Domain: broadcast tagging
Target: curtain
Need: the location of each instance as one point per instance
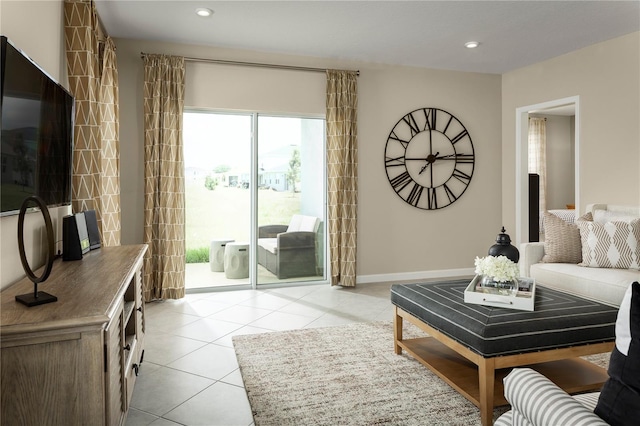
(538, 155)
(96, 175)
(163, 177)
(342, 170)
(110, 148)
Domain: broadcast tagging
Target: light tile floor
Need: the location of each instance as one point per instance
(190, 374)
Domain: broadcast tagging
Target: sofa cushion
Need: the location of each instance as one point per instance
(619, 402)
(561, 240)
(269, 244)
(610, 245)
(600, 284)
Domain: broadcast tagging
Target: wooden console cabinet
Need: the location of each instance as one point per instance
(74, 361)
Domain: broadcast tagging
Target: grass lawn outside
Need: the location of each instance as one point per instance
(225, 213)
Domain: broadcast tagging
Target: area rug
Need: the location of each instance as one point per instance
(347, 375)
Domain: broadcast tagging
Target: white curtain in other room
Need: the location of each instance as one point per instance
(538, 155)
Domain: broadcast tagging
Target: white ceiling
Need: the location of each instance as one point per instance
(431, 34)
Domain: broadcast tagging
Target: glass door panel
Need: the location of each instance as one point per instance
(291, 200)
(217, 159)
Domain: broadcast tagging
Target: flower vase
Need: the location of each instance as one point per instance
(506, 288)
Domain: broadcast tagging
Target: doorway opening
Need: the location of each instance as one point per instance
(566, 110)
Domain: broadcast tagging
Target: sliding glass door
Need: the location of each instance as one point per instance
(291, 199)
(255, 199)
(217, 159)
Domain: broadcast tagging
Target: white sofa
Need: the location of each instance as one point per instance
(605, 285)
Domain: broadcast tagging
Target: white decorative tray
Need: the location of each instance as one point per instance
(522, 300)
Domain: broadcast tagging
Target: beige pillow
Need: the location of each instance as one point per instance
(561, 240)
(610, 245)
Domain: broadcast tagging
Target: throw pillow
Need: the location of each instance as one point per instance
(561, 240)
(610, 245)
(619, 401)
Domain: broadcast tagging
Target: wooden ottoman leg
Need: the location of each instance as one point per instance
(397, 331)
(486, 376)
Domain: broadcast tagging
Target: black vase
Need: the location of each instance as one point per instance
(503, 247)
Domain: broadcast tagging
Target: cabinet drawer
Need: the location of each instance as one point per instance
(132, 371)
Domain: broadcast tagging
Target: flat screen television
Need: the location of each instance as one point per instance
(37, 116)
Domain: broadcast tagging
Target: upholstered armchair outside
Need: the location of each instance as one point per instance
(289, 251)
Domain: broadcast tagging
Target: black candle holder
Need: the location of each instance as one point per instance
(37, 297)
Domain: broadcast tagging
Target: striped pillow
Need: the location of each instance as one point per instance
(610, 245)
(536, 400)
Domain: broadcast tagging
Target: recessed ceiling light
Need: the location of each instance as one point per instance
(204, 12)
(472, 44)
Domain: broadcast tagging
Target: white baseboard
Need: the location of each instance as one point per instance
(415, 276)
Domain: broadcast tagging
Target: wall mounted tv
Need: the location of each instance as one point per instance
(37, 116)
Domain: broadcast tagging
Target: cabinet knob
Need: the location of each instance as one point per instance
(136, 368)
(127, 348)
(139, 309)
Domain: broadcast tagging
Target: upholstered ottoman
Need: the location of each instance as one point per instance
(468, 340)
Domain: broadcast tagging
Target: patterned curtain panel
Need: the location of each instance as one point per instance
(96, 175)
(110, 149)
(342, 170)
(82, 66)
(164, 177)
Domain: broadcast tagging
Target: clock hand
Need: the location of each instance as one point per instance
(431, 144)
(447, 157)
(430, 159)
(431, 175)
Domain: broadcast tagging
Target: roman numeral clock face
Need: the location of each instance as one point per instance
(429, 158)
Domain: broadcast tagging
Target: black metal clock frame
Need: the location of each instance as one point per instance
(429, 158)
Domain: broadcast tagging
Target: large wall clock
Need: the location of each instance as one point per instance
(429, 158)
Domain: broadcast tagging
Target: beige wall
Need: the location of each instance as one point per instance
(560, 155)
(394, 239)
(606, 78)
(17, 21)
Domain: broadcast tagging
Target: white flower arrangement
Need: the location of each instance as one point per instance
(500, 268)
